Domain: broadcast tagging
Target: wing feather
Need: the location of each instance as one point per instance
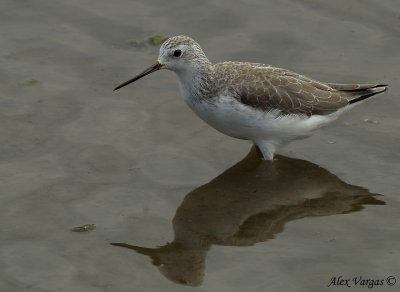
(269, 88)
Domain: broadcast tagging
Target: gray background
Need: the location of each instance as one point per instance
(74, 152)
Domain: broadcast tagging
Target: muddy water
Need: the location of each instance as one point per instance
(148, 173)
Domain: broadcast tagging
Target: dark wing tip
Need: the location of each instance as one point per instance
(379, 88)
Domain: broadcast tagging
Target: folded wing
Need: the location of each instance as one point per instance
(277, 90)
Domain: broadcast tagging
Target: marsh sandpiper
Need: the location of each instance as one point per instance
(267, 105)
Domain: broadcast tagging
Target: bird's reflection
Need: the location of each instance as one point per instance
(249, 203)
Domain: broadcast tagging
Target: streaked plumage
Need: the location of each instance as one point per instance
(268, 88)
(267, 105)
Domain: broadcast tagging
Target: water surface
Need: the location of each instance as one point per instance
(147, 172)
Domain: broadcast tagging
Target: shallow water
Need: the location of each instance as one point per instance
(148, 173)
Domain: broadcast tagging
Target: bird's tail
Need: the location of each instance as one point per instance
(358, 92)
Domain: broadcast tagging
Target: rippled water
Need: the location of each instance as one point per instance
(194, 207)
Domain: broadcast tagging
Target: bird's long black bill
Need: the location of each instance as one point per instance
(157, 66)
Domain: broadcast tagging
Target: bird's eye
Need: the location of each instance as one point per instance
(177, 53)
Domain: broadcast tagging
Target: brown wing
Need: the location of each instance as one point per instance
(273, 89)
(289, 93)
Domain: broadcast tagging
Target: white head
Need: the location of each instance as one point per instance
(178, 54)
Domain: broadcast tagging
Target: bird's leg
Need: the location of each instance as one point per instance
(267, 149)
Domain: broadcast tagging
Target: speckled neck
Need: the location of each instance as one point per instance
(198, 83)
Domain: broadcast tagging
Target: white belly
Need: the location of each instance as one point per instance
(268, 130)
(232, 118)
